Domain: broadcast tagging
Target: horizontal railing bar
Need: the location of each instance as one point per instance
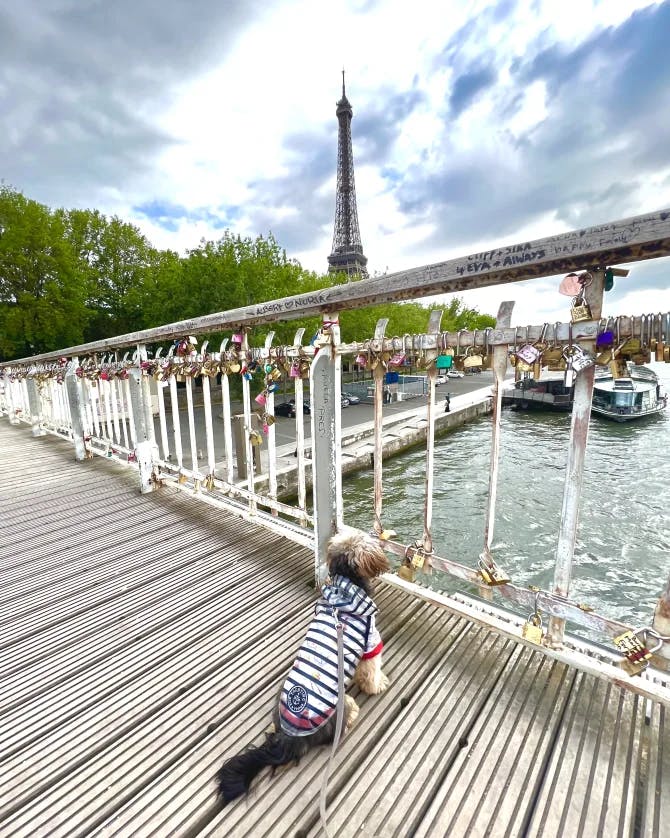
(633, 239)
(625, 325)
(577, 653)
(548, 603)
(171, 471)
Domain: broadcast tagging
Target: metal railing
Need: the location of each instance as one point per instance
(128, 407)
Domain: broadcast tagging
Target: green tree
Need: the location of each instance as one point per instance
(42, 295)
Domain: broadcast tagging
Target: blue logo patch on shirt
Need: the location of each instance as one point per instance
(296, 699)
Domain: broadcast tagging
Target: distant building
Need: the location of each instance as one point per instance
(347, 255)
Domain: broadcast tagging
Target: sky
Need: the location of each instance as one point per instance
(476, 124)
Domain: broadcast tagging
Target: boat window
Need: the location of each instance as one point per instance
(623, 399)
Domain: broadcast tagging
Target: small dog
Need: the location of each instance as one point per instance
(305, 715)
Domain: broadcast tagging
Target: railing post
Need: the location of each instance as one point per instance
(378, 373)
(499, 367)
(10, 396)
(35, 408)
(140, 397)
(574, 471)
(74, 399)
(325, 390)
(434, 321)
(299, 429)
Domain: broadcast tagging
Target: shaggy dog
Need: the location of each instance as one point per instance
(305, 715)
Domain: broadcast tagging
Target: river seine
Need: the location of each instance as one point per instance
(622, 556)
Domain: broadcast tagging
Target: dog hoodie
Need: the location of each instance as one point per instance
(309, 696)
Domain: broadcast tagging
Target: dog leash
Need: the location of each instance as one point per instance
(339, 721)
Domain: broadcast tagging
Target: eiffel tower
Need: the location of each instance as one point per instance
(347, 256)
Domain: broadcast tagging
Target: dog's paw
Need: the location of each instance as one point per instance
(381, 683)
(352, 711)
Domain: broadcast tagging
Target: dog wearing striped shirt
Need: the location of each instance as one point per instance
(305, 714)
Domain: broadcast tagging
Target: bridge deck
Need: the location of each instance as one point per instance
(144, 637)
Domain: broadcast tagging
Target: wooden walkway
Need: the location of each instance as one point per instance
(143, 638)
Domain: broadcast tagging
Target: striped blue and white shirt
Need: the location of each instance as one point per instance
(309, 695)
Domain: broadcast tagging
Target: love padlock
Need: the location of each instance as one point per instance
(636, 655)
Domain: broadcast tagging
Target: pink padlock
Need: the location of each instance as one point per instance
(361, 360)
(237, 338)
(570, 286)
(260, 398)
(295, 370)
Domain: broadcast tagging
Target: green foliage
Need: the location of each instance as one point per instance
(74, 276)
(410, 319)
(42, 298)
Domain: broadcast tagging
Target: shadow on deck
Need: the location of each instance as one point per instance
(143, 638)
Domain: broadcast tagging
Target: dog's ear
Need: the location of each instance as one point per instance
(355, 551)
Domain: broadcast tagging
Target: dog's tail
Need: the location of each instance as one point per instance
(236, 774)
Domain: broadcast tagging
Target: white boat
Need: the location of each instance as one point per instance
(625, 399)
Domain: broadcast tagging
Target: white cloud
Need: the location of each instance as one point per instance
(475, 123)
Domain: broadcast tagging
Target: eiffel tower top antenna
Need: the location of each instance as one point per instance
(347, 254)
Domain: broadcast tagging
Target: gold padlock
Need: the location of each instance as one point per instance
(579, 313)
(490, 572)
(532, 629)
(636, 655)
(631, 346)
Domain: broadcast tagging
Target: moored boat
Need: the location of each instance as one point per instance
(632, 397)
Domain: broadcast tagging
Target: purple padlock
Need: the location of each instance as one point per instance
(604, 340)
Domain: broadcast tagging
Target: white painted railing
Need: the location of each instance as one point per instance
(130, 408)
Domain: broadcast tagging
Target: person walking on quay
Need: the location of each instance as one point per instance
(447, 403)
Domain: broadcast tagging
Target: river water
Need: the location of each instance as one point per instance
(622, 556)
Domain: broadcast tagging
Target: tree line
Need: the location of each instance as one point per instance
(71, 276)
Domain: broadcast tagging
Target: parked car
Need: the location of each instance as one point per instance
(285, 409)
(306, 406)
(441, 379)
(344, 401)
(351, 398)
(455, 374)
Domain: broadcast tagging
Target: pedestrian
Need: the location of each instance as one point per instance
(447, 403)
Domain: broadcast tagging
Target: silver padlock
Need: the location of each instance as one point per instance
(569, 374)
(581, 359)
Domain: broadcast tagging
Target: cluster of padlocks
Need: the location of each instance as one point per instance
(611, 350)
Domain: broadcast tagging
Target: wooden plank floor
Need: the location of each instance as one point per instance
(143, 638)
